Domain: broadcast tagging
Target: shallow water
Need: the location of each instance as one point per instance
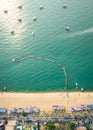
(72, 49)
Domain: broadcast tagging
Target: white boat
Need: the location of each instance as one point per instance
(34, 18)
(76, 84)
(82, 89)
(13, 60)
(41, 7)
(4, 88)
(33, 34)
(67, 28)
(65, 6)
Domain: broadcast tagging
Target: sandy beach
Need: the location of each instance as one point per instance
(45, 101)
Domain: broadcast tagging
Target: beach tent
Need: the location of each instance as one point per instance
(61, 108)
(78, 108)
(12, 110)
(27, 110)
(57, 107)
(20, 110)
(36, 109)
(3, 110)
(31, 109)
(90, 106)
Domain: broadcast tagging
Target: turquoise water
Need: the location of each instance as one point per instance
(72, 49)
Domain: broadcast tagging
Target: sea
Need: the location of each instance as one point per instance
(46, 45)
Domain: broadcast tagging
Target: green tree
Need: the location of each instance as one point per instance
(72, 125)
(24, 114)
(50, 126)
(87, 127)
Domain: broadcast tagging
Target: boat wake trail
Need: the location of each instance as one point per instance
(79, 33)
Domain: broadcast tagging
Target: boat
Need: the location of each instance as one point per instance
(4, 88)
(13, 60)
(6, 11)
(34, 18)
(82, 89)
(67, 28)
(63, 68)
(20, 7)
(33, 34)
(76, 84)
(20, 20)
(41, 7)
(65, 6)
(12, 32)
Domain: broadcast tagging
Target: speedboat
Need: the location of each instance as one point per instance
(63, 68)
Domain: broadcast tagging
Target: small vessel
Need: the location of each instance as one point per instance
(6, 11)
(63, 68)
(12, 32)
(82, 89)
(33, 34)
(13, 60)
(67, 28)
(20, 7)
(41, 7)
(20, 20)
(4, 88)
(65, 6)
(34, 18)
(76, 84)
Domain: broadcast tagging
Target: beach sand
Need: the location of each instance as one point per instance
(45, 101)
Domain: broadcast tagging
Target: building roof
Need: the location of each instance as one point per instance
(3, 110)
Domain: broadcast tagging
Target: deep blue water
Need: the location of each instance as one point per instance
(73, 49)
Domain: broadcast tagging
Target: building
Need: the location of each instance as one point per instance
(2, 127)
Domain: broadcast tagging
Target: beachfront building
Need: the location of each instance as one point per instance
(90, 108)
(81, 128)
(10, 125)
(19, 128)
(12, 110)
(2, 127)
(20, 110)
(3, 110)
(28, 110)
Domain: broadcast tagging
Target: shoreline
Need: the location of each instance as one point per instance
(63, 91)
(45, 100)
